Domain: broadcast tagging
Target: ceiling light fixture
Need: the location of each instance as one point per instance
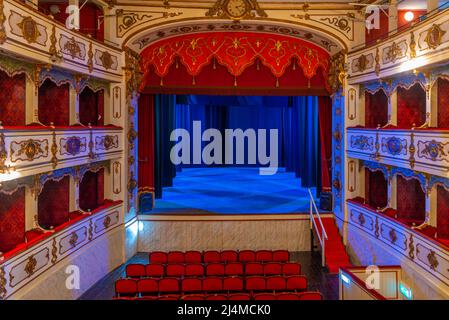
(409, 16)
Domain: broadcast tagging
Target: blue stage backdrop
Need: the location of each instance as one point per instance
(296, 119)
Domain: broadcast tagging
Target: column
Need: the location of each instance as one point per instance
(431, 207)
(393, 108)
(74, 106)
(393, 16)
(432, 104)
(74, 195)
(392, 192)
(31, 101)
(30, 209)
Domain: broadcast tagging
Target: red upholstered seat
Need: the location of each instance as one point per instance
(239, 296)
(215, 269)
(158, 257)
(194, 270)
(287, 296)
(232, 284)
(175, 257)
(234, 269)
(310, 296)
(229, 256)
(247, 256)
(193, 297)
(135, 270)
(297, 283)
(126, 287)
(220, 297)
(281, 256)
(276, 283)
(255, 284)
(193, 257)
(291, 269)
(272, 269)
(212, 284)
(148, 287)
(254, 269)
(191, 285)
(154, 270)
(174, 270)
(265, 296)
(264, 256)
(168, 285)
(211, 257)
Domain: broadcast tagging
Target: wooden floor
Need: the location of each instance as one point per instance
(318, 278)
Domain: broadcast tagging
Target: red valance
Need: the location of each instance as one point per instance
(236, 51)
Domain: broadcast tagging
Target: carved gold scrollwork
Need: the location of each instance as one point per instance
(30, 267)
(54, 151)
(434, 36)
(393, 236)
(377, 60)
(433, 261)
(411, 248)
(3, 291)
(30, 31)
(412, 150)
(337, 72)
(54, 251)
(72, 47)
(2, 23)
(412, 45)
(376, 228)
(91, 146)
(31, 149)
(106, 60)
(236, 9)
(90, 58)
(3, 153)
(361, 219)
(107, 222)
(90, 232)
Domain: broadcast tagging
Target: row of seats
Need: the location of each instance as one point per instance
(213, 269)
(154, 287)
(310, 295)
(219, 256)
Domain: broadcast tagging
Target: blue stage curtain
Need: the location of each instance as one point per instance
(164, 124)
(296, 119)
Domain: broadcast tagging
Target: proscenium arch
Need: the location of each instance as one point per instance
(139, 39)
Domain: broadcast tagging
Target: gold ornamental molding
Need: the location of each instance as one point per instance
(30, 266)
(72, 48)
(236, 10)
(3, 291)
(434, 36)
(341, 23)
(26, 27)
(28, 150)
(433, 261)
(106, 60)
(2, 26)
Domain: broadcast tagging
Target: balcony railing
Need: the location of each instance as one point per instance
(425, 150)
(28, 151)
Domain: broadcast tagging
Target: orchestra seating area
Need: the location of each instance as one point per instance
(214, 275)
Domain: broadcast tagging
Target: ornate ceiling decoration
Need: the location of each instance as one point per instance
(146, 39)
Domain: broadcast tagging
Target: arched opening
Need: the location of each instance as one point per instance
(376, 109)
(376, 189)
(91, 107)
(411, 106)
(411, 201)
(54, 104)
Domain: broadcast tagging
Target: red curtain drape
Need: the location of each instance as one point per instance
(53, 203)
(12, 99)
(91, 190)
(91, 105)
(411, 199)
(443, 103)
(411, 106)
(376, 109)
(325, 127)
(12, 220)
(146, 142)
(54, 104)
(442, 213)
(376, 189)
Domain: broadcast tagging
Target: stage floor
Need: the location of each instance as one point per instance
(233, 191)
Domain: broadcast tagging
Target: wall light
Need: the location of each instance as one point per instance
(406, 292)
(409, 16)
(345, 279)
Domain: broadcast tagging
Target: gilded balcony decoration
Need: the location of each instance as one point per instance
(28, 150)
(72, 47)
(236, 10)
(30, 266)
(3, 291)
(434, 36)
(2, 24)
(106, 60)
(54, 251)
(394, 146)
(412, 45)
(393, 236)
(411, 248)
(54, 151)
(362, 142)
(90, 58)
(433, 150)
(73, 239)
(394, 52)
(106, 142)
(337, 71)
(73, 145)
(432, 259)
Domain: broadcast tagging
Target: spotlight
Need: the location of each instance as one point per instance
(409, 16)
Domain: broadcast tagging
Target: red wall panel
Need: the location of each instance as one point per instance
(411, 199)
(12, 220)
(442, 213)
(91, 192)
(411, 106)
(12, 99)
(91, 105)
(146, 141)
(376, 109)
(54, 105)
(53, 203)
(443, 103)
(376, 189)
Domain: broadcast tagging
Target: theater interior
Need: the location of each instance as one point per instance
(224, 150)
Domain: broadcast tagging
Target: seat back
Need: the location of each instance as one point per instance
(193, 257)
(272, 269)
(291, 269)
(239, 296)
(247, 256)
(215, 269)
(276, 283)
(232, 284)
(264, 256)
(174, 270)
(194, 270)
(158, 257)
(281, 256)
(234, 269)
(287, 296)
(135, 270)
(254, 269)
(175, 257)
(148, 287)
(310, 296)
(169, 285)
(296, 283)
(256, 283)
(212, 284)
(229, 256)
(211, 257)
(154, 270)
(191, 285)
(265, 296)
(126, 288)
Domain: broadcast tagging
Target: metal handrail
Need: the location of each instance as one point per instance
(323, 236)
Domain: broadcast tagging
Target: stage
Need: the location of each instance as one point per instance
(233, 191)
